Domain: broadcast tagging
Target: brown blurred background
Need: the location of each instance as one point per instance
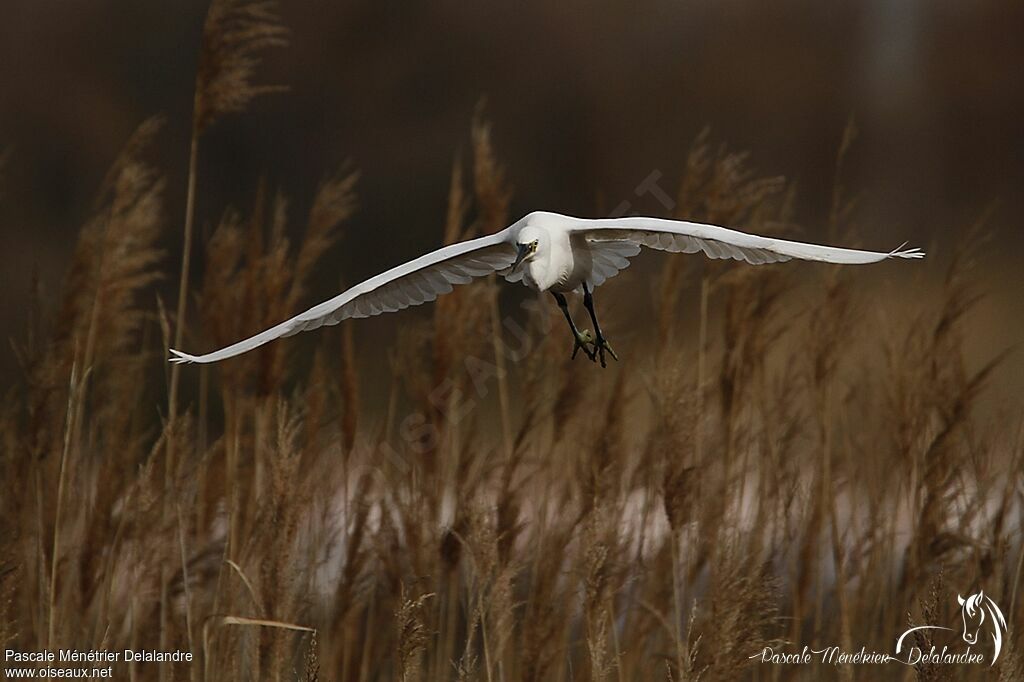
(585, 104)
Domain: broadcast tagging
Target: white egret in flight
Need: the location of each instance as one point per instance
(547, 252)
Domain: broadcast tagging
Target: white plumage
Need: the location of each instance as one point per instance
(556, 253)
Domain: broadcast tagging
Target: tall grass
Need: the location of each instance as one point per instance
(800, 465)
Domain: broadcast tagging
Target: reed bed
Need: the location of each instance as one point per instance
(796, 463)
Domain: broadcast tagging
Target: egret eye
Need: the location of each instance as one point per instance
(533, 246)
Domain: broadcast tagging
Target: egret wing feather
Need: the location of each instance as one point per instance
(608, 257)
(511, 276)
(677, 236)
(409, 284)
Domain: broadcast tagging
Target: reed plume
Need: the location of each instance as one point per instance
(235, 34)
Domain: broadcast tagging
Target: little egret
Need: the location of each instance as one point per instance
(547, 252)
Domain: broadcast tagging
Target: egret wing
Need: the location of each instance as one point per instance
(606, 236)
(608, 257)
(409, 284)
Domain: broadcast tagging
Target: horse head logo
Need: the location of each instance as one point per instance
(978, 610)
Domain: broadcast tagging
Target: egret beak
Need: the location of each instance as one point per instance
(524, 250)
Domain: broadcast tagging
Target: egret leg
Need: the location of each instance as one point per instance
(580, 339)
(601, 344)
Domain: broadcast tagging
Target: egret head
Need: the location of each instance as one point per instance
(529, 243)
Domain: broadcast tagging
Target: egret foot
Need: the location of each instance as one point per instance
(580, 341)
(600, 346)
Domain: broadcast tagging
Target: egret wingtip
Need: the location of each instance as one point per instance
(181, 358)
(906, 253)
